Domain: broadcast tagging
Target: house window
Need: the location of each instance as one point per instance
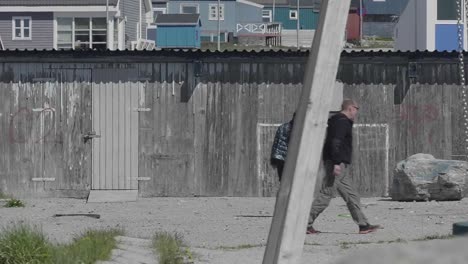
(21, 28)
(64, 33)
(99, 33)
(293, 14)
(189, 9)
(213, 12)
(81, 33)
(447, 10)
(266, 15)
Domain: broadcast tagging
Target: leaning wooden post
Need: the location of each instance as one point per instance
(287, 232)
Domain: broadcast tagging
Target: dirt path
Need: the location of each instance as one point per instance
(234, 230)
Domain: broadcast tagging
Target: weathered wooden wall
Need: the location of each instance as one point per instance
(42, 123)
(213, 117)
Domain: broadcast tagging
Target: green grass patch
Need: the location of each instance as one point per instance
(27, 244)
(14, 203)
(88, 248)
(4, 196)
(171, 249)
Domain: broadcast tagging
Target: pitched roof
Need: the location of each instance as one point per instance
(57, 2)
(270, 2)
(177, 19)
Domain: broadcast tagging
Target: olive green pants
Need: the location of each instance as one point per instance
(344, 187)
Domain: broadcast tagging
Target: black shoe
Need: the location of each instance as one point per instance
(369, 229)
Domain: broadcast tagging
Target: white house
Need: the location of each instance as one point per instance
(430, 25)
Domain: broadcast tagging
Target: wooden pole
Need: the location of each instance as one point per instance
(294, 199)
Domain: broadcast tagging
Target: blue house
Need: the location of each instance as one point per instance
(286, 13)
(233, 15)
(177, 31)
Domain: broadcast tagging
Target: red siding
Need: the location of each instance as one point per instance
(352, 28)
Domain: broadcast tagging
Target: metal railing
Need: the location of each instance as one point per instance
(272, 29)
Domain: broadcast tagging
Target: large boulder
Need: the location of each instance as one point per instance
(421, 177)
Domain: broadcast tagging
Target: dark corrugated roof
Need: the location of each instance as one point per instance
(56, 2)
(357, 53)
(185, 19)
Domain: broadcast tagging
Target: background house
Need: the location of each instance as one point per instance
(73, 24)
(381, 16)
(177, 31)
(232, 15)
(289, 15)
(429, 25)
(159, 7)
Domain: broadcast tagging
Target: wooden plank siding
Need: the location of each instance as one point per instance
(42, 125)
(211, 119)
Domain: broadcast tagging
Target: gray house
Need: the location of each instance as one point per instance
(73, 24)
(234, 16)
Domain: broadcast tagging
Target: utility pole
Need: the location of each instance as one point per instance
(274, 7)
(294, 199)
(107, 25)
(139, 23)
(219, 26)
(297, 24)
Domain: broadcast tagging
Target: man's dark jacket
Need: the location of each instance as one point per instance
(338, 143)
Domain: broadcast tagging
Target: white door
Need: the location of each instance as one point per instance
(115, 136)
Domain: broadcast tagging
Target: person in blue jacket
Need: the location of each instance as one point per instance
(280, 146)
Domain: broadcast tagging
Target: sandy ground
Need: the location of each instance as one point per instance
(211, 226)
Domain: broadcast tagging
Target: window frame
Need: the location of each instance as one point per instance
(449, 21)
(90, 30)
(291, 12)
(269, 16)
(72, 33)
(182, 5)
(21, 27)
(221, 7)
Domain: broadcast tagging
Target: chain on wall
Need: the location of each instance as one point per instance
(463, 7)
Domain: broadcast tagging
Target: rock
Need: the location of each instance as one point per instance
(421, 177)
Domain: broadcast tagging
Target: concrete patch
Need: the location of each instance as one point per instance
(99, 196)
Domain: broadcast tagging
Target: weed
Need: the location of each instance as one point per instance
(14, 203)
(25, 244)
(90, 247)
(171, 249)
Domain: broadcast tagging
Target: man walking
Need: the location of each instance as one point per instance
(280, 146)
(336, 157)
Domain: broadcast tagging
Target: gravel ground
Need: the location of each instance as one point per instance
(216, 228)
